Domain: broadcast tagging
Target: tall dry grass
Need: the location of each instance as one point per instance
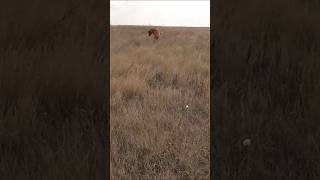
(52, 89)
(153, 134)
(266, 88)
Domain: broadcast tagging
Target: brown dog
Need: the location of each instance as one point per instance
(155, 32)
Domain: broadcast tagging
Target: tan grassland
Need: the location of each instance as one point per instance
(153, 133)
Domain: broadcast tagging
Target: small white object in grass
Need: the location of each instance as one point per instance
(246, 142)
(187, 106)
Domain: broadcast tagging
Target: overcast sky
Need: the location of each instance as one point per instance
(160, 13)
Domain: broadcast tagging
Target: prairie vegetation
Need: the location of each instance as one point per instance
(52, 89)
(266, 88)
(153, 134)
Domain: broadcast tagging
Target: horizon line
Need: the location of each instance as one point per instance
(158, 25)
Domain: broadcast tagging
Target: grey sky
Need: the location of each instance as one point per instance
(160, 13)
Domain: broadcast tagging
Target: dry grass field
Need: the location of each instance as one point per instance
(52, 89)
(266, 81)
(153, 134)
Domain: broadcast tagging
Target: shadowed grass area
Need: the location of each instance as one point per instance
(153, 134)
(266, 87)
(52, 89)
